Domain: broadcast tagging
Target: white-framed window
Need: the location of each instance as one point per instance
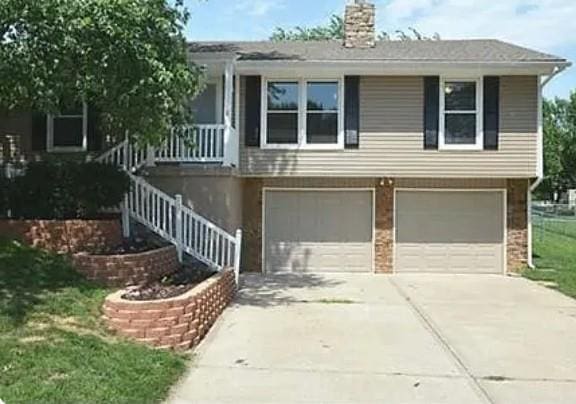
(461, 114)
(68, 130)
(302, 113)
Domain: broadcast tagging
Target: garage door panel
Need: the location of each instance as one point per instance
(455, 232)
(318, 231)
(311, 257)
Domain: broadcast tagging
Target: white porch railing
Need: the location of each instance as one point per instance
(190, 232)
(200, 143)
(188, 144)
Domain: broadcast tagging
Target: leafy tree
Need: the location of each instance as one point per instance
(125, 58)
(559, 147)
(335, 30)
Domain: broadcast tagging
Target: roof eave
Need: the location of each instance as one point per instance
(393, 67)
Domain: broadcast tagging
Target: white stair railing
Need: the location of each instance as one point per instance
(169, 218)
(125, 154)
(190, 232)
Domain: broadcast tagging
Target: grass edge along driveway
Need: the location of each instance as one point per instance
(555, 260)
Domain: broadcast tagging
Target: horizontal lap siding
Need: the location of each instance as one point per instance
(391, 138)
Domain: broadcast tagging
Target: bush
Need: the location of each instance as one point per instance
(66, 190)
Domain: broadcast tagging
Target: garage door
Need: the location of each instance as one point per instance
(459, 232)
(318, 231)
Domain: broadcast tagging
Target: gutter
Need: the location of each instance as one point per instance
(557, 70)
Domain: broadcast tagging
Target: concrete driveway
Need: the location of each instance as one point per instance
(388, 339)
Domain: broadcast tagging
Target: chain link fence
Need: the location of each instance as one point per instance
(550, 219)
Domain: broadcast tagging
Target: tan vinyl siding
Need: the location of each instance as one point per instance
(391, 138)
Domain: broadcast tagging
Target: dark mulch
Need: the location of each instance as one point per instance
(170, 286)
(132, 246)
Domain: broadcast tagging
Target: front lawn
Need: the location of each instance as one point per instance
(54, 347)
(555, 258)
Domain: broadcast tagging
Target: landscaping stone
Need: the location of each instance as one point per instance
(127, 269)
(175, 323)
(64, 236)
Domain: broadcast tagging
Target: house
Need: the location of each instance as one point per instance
(353, 156)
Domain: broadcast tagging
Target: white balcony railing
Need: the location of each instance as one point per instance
(189, 144)
(199, 144)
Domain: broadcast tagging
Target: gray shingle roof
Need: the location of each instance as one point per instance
(476, 50)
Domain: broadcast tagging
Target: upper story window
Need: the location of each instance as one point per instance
(302, 114)
(68, 131)
(283, 109)
(460, 114)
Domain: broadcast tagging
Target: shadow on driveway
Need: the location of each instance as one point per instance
(277, 290)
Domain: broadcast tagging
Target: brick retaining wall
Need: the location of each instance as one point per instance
(177, 323)
(127, 269)
(64, 236)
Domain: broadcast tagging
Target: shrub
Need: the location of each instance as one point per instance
(66, 190)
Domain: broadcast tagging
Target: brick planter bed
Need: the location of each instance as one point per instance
(64, 236)
(177, 323)
(127, 269)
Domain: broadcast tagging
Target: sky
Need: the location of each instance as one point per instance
(544, 25)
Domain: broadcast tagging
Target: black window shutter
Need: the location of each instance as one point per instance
(352, 111)
(431, 111)
(252, 111)
(491, 112)
(38, 131)
(94, 134)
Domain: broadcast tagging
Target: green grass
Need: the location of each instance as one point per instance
(565, 226)
(555, 259)
(54, 347)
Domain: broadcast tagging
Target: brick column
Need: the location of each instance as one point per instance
(384, 226)
(252, 224)
(517, 226)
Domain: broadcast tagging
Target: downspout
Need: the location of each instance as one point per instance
(541, 84)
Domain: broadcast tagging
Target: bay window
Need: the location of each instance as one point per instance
(302, 114)
(460, 114)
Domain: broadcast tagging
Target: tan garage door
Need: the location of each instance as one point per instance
(459, 232)
(318, 231)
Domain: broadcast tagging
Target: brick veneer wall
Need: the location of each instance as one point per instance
(64, 236)
(178, 323)
(127, 269)
(252, 225)
(517, 233)
(517, 228)
(384, 231)
(252, 214)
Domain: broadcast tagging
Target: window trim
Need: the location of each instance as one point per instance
(50, 147)
(479, 144)
(302, 115)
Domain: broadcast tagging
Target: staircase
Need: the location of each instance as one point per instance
(165, 215)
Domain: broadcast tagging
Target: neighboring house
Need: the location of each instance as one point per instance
(367, 156)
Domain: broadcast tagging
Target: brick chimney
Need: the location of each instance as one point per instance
(359, 24)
